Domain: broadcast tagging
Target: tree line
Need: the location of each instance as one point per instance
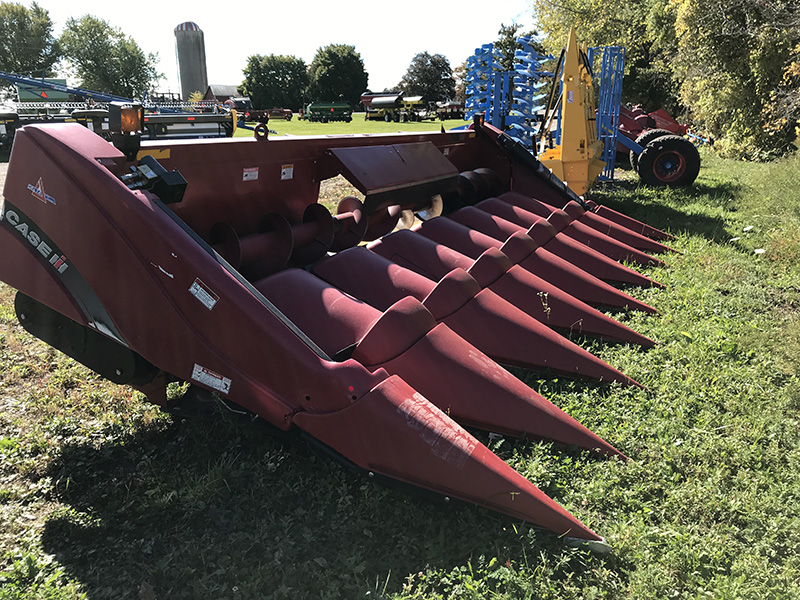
(337, 74)
(729, 67)
(101, 57)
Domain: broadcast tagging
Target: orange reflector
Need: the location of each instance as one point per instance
(130, 119)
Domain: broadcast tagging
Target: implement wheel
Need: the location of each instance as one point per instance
(669, 161)
(643, 139)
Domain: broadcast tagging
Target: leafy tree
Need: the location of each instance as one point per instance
(782, 113)
(731, 61)
(729, 65)
(429, 76)
(337, 71)
(645, 28)
(275, 80)
(507, 44)
(27, 45)
(106, 59)
(459, 75)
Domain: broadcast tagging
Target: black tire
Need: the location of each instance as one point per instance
(670, 160)
(643, 139)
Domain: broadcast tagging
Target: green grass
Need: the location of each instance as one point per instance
(104, 496)
(357, 125)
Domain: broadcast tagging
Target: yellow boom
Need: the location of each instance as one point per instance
(576, 161)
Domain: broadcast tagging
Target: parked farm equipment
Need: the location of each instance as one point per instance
(325, 112)
(247, 114)
(449, 109)
(163, 120)
(395, 107)
(220, 268)
(577, 127)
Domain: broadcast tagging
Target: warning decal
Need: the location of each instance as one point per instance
(203, 293)
(211, 379)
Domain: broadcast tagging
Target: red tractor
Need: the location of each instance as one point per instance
(660, 153)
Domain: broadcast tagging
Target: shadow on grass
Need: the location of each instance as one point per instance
(217, 507)
(652, 206)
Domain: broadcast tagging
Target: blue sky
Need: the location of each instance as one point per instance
(387, 35)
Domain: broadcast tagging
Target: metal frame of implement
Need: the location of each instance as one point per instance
(212, 262)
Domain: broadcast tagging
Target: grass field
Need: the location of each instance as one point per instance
(104, 496)
(357, 125)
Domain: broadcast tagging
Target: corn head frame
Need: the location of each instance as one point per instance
(212, 262)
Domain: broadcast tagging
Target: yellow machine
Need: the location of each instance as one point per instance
(576, 161)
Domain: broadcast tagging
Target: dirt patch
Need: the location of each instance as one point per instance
(331, 191)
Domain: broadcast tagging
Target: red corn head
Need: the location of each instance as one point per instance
(395, 431)
(505, 220)
(562, 222)
(522, 250)
(494, 270)
(490, 323)
(406, 341)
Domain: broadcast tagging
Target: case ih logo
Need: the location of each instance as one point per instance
(36, 239)
(37, 191)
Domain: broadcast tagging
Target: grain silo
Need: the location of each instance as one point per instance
(191, 51)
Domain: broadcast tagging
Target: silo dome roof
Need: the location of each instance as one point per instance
(187, 26)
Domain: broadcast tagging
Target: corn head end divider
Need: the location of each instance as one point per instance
(212, 262)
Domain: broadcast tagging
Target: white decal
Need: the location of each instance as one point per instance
(203, 293)
(287, 172)
(250, 174)
(59, 262)
(570, 97)
(213, 380)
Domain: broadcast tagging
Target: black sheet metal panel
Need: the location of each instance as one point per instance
(403, 174)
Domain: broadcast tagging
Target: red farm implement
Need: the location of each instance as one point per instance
(212, 262)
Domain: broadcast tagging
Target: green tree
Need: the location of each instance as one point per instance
(337, 71)
(107, 60)
(507, 44)
(732, 58)
(459, 76)
(429, 76)
(275, 81)
(27, 45)
(730, 66)
(645, 28)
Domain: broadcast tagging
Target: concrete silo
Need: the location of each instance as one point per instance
(190, 48)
